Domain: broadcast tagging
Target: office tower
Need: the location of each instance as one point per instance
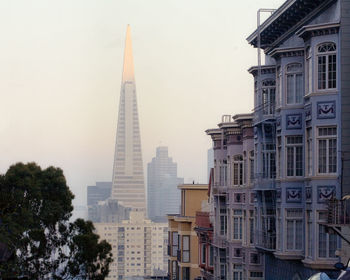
(127, 181)
(162, 181)
(101, 191)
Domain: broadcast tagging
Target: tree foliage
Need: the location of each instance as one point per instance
(35, 207)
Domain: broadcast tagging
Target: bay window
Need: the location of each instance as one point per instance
(294, 152)
(294, 83)
(327, 150)
(309, 150)
(185, 248)
(327, 241)
(237, 170)
(294, 224)
(268, 96)
(326, 66)
(237, 224)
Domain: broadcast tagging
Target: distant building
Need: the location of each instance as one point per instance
(127, 181)
(183, 240)
(95, 195)
(139, 247)
(101, 191)
(162, 181)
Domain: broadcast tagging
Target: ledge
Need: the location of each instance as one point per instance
(320, 264)
(289, 255)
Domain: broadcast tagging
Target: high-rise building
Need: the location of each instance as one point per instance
(139, 247)
(127, 181)
(101, 191)
(162, 181)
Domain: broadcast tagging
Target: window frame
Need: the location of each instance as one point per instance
(295, 234)
(328, 139)
(294, 74)
(327, 55)
(294, 148)
(237, 174)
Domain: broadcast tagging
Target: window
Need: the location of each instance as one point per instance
(238, 170)
(256, 274)
(254, 258)
(279, 154)
(294, 151)
(174, 271)
(251, 165)
(251, 226)
(222, 254)
(185, 248)
(269, 161)
(237, 272)
(223, 216)
(327, 150)
(326, 66)
(203, 254)
(327, 241)
(309, 232)
(294, 223)
(223, 173)
(237, 224)
(211, 256)
(268, 96)
(309, 150)
(294, 83)
(186, 273)
(175, 244)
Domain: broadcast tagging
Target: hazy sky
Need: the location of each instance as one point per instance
(60, 75)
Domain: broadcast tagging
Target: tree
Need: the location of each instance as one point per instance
(35, 207)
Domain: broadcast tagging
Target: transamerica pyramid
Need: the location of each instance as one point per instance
(128, 183)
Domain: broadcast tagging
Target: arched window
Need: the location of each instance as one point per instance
(294, 83)
(327, 66)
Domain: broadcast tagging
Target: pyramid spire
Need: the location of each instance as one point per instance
(128, 68)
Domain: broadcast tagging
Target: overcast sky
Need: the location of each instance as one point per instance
(60, 76)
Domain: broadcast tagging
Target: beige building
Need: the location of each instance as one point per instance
(138, 246)
(183, 240)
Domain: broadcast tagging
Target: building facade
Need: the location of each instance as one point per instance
(127, 181)
(94, 195)
(233, 198)
(300, 119)
(163, 196)
(182, 238)
(139, 247)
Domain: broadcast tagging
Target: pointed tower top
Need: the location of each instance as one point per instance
(128, 68)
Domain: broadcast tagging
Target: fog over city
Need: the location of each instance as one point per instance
(61, 69)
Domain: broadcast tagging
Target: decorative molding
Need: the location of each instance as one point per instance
(294, 121)
(308, 112)
(293, 195)
(326, 110)
(308, 194)
(278, 123)
(325, 193)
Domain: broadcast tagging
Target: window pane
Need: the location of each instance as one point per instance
(299, 235)
(290, 161)
(290, 89)
(332, 65)
(299, 88)
(290, 235)
(322, 156)
(322, 72)
(332, 149)
(299, 161)
(322, 236)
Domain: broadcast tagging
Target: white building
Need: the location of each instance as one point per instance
(139, 246)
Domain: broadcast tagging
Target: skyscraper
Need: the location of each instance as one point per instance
(128, 182)
(162, 181)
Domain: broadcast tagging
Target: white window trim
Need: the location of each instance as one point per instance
(294, 157)
(327, 159)
(317, 54)
(294, 73)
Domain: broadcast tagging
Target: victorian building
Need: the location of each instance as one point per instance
(301, 110)
(234, 215)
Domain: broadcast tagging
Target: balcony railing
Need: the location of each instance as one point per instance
(339, 211)
(266, 240)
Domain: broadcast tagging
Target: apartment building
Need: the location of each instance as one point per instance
(182, 238)
(235, 255)
(138, 246)
(301, 129)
